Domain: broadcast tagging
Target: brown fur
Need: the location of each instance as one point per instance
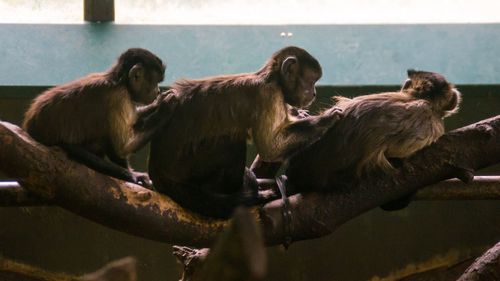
(97, 112)
(378, 127)
(54, 116)
(205, 147)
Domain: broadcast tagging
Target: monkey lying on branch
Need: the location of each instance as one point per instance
(374, 131)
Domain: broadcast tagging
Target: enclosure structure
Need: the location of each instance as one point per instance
(356, 59)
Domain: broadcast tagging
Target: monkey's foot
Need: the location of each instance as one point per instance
(466, 175)
(142, 179)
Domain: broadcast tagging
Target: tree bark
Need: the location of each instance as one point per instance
(123, 270)
(12, 194)
(484, 268)
(49, 174)
(238, 255)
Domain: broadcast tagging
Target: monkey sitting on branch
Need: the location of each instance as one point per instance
(199, 160)
(94, 116)
(375, 129)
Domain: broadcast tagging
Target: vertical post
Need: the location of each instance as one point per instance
(99, 10)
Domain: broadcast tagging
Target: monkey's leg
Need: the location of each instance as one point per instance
(137, 177)
(398, 204)
(201, 199)
(80, 154)
(263, 169)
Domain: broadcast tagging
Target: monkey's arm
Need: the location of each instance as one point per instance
(97, 163)
(150, 115)
(150, 119)
(263, 169)
(282, 142)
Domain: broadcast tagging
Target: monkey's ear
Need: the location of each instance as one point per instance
(136, 74)
(406, 84)
(290, 68)
(411, 72)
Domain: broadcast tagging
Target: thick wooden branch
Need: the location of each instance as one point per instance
(12, 194)
(50, 175)
(484, 268)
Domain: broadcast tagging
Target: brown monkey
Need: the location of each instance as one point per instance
(199, 160)
(376, 128)
(93, 117)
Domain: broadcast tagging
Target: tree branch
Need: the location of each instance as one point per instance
(12, 194)
(484, 268)
(49, 174)
(123, 270)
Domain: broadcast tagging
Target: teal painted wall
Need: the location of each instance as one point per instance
(350, 54)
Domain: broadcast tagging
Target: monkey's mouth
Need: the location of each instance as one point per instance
(306, 103)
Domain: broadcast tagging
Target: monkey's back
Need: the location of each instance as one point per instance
(388, 125)
(208, 132)
(374, 128)
(73, 113)
(205, 143)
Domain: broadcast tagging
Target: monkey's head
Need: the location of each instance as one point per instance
(140, 71)
(297, 73)
(442, 95)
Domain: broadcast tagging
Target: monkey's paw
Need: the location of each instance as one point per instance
(142, 179)
(333, 115)
(168, 101)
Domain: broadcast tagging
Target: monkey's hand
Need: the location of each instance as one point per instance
(329, 117)
(168, 101)
(158, 113)
(141, 179)
(298, 113)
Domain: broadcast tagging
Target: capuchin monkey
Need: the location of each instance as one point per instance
(374, 130)
(199, 160)
(94, 117)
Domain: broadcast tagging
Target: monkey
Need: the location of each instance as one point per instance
(93, 117)
(375, 129)
(203, 166)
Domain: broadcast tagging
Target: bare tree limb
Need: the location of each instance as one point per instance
(314, 215)
(50, 175)
(123, 270)
(484, 268)
(12, 194)
(238, 255)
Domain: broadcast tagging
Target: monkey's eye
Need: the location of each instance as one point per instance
(406, 85)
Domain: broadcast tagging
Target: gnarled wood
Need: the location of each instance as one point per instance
(484, 268)
(238, 255)
(49, 174)
(12, 194)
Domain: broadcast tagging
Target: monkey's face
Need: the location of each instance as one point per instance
(144, 86)
(303, 92)
(431, 86)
